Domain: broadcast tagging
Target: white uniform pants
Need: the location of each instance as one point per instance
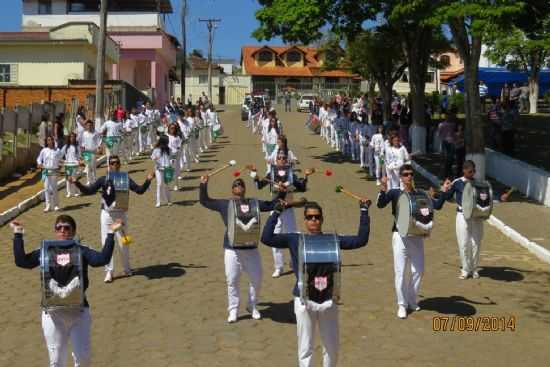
(306, 323)
(50, 191)
(177, 165)
(237, 261)
(142, 139)
(90, 169)
(59, 327)
(163, 191)
(334, 138)
(286, 223)
(378, 166)
(468, 235)
(363, 155)
(71, 188)
(108, 218)
(408, 264)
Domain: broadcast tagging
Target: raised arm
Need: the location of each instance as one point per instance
(22, 259)
(353, 242)
(96, 258)
(271, 239)
(92, 188)
(140, 189)
(205, 200)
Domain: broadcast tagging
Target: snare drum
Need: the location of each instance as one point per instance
(50, 172)
(477, 200)
(61, 275)
(168, 174)
(280, 175)
(121, 183)
(319, 268)
(243, 223)
(71, 169)
(415, 213)
(112, 142)
(87, 156)
(216, 131)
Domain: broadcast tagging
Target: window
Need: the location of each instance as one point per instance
(293, 56)
(5, 73)
(203, 79)
(445, 60)
(44, 6)
(265, 56)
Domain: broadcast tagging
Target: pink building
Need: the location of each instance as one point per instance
(147, 53)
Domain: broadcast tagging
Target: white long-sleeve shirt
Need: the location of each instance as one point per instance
(71, 153)
(161, 160)
(270, 136)
(49, 158)
(90, 141)
(272, 159)
(396, 157)
(174, 143)
(112, 128)
(377, 142)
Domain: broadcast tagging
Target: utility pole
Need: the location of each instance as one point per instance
(100, 67)
(210, 23)
(184, 48)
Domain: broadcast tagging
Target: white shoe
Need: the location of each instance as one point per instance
(402, 312)
(108, 277)
(180, 178)
(276, 273)
(56, 208)
(463, 275)
(176, 188)
(157, 205)
(46, 209)
(169, 203)
(256, 315)
(232, 316)
(475, 275)
(377, 182)
(68, 195)
(76, 195)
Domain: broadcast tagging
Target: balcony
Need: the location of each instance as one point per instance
(115, 20)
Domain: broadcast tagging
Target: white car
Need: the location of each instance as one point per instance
(303, 103)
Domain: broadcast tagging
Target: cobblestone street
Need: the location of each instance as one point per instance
(172, 312)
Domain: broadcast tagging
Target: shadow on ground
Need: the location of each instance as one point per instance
(279, 312)
(170, 270)
(453, 305)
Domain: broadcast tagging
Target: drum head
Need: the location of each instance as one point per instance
(468, 200)
(403, 215)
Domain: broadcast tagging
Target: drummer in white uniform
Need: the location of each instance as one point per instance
(65, 309)
(408, 249)
(469, 231)
(238, 259)
(48, 161)
(315, 303)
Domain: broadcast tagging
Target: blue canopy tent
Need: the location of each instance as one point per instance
(495, 78)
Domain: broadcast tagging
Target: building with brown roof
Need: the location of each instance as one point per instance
(274, 69)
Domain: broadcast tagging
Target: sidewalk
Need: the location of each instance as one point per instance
(526, 216)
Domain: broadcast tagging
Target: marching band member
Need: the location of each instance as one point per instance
(314, 315)
(143, 131)
(377, 143)
(48, 161)
(408, 251)
(469, 232)
(282, 145)
(395, 156)
(237, 260)
(193, 136)
(161, 157)
(185, 129)
(71, 154)
(332, 116)
(89, 143)
(111, 212)
(269, 137)
(287, 220)
(213, 120)
(63, 324)
(112, 132)
(175, 145)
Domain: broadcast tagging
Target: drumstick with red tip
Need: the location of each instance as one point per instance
(341, 189)
(506, 195)
(327, 172)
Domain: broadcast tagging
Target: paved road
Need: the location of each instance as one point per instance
(173, 311)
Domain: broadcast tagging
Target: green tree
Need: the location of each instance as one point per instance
(525, 45)
(469, 22)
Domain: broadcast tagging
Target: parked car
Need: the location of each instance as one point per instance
(303, 103)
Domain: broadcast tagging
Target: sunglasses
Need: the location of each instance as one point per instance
(311, 217)
(67, 227)
(407, 174)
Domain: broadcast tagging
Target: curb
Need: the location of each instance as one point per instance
(32, 201)
(539, 251)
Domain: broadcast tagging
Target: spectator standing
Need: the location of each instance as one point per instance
(287, 101)
(483, 93)
(505, 93)
(509, 116)
(524, 99)
(446, 132)
(514, 95)
(495, 124)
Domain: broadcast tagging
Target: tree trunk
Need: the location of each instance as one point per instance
(386, 90)
(371, 93)
(534, 76)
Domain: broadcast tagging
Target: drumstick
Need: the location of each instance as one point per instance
(225, 166)
(341, 189)
(327, 172)
(506, 195)
(297, 204)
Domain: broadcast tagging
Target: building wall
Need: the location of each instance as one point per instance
(236, 87)
(12, 97)
(195, 88)
(114, 20)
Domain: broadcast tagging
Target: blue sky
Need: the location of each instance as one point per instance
(235, 29)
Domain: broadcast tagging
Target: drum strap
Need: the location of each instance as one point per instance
(246, 227)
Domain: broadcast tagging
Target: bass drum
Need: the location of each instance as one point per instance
(415, 214)
(477, 200)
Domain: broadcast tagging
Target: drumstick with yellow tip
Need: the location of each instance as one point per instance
(341, 189)
(506, 195)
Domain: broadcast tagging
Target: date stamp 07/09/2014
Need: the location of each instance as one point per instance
(474, 323)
